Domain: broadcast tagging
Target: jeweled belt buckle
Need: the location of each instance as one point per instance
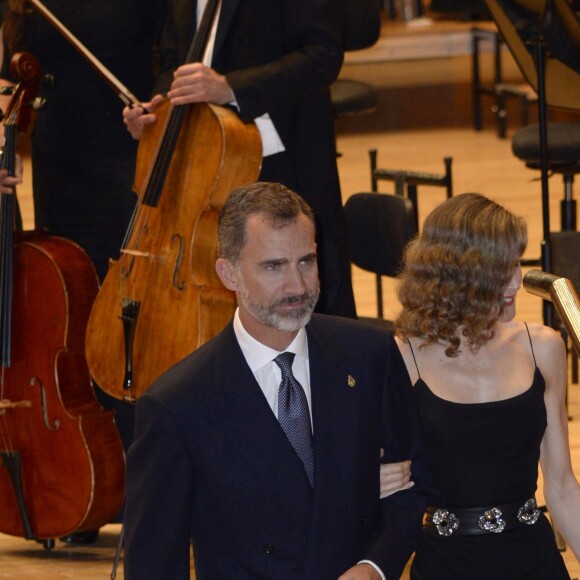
(491, 521)
(529, 514)
(445, 522)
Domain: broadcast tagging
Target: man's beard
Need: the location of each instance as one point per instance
(288, 321)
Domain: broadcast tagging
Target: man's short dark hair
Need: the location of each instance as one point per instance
(279, 205)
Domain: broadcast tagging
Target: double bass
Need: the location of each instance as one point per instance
(62, 463)
(162, 299)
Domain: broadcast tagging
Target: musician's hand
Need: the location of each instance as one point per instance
(8, 183)
(197, 83)
(360, 572)
(135, 118)
(395, 477)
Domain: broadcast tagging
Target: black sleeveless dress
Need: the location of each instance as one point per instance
(487, 454)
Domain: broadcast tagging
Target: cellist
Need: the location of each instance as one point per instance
(273, 60)
(83, 161)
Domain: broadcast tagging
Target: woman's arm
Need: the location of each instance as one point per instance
(561, 489)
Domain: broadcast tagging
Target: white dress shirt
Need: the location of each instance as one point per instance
(260, 359)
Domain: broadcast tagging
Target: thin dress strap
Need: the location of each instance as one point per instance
(531, 345)
(413, 353)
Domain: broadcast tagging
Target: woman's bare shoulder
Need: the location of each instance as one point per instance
(549, 348)
(407, 354)
(545, 336)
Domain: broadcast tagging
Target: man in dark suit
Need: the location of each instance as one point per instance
(213, 462)
(274, 60)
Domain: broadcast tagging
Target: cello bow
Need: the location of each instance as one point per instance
(128, 98)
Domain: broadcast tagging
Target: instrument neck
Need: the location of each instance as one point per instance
(7, 215)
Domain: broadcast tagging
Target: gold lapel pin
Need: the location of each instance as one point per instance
(350, 381)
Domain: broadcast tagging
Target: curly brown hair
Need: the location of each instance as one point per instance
(456, 272)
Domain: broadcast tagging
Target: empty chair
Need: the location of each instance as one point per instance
(379, 226)
(362, 20)
(351, 96)
(563, 157)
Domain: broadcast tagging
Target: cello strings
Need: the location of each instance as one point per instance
(149, 198)
(7, 220)
(165, 151)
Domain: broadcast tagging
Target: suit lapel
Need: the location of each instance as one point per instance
(185, 16)
(337, 421)
(255, 432)
(187, 12)
(227, 13)
(329, 380)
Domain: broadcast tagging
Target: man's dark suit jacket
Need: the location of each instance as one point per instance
(210, 464)
(280, 57)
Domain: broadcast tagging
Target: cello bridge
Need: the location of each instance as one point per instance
(140, 254)
(137, 253)
(8, 404)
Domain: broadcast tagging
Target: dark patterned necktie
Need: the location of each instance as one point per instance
(294, 415)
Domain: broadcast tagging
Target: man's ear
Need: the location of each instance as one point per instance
(227, 273)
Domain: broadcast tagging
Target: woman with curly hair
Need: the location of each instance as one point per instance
(491, 396)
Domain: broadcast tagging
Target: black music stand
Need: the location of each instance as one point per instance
(544, 39)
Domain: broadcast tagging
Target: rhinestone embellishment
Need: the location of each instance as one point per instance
(446, 522)
(529, 514)
(491, 521)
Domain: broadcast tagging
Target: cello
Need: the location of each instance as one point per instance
(61, 459)
(162, 299)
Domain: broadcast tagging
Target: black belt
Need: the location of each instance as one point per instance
(481, 520)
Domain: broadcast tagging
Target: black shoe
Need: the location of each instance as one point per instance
(81, 537)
